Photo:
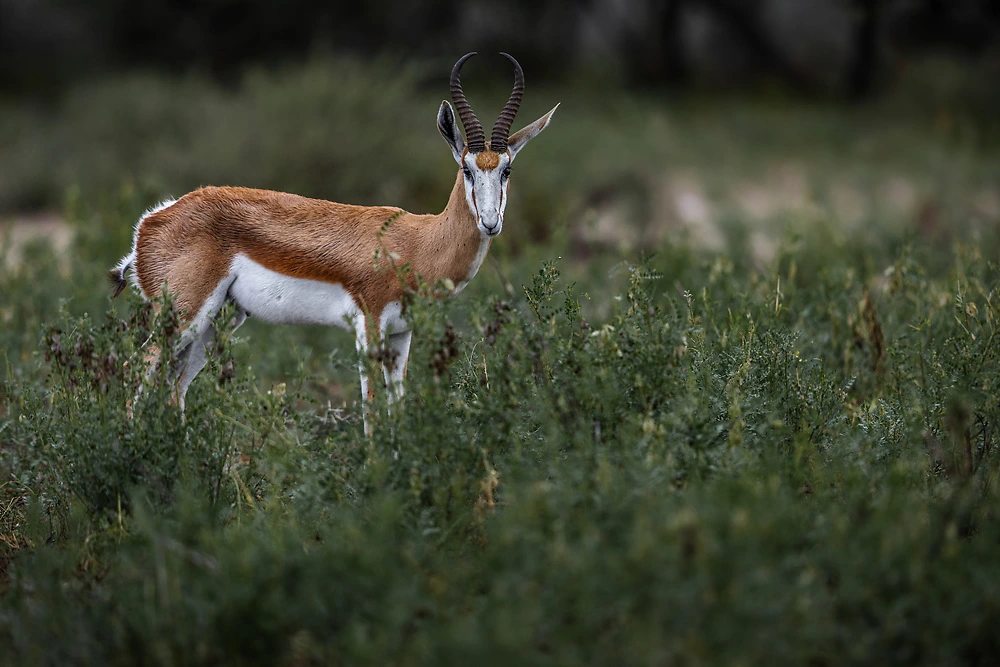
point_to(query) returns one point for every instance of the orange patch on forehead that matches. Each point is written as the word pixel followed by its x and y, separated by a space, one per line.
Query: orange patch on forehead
pixel 487 160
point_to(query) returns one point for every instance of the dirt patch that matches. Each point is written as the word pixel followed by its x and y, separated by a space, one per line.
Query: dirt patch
pixel 19 232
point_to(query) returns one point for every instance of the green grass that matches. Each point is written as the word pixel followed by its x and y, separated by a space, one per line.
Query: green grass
pixel 730 453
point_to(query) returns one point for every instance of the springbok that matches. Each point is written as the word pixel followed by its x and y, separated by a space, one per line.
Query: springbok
pixel 292 260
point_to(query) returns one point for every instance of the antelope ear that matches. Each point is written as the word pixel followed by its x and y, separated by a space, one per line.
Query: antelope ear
pixel 449 130
pixel 527 133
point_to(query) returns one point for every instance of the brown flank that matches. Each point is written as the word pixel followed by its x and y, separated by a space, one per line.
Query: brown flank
pixel 191 244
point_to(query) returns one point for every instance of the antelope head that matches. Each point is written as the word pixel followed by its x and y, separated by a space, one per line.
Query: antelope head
pixel 486 166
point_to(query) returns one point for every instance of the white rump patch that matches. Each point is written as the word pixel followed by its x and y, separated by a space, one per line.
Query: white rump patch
pixel 128 260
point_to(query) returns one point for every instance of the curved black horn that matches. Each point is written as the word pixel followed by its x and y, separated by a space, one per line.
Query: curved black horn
pixel 501 131
pixel 475 137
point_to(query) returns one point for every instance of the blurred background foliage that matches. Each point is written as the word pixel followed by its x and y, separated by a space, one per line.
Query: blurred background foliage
pixel 812 45
pixel 775 106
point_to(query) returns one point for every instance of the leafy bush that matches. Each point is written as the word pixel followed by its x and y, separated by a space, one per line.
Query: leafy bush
pixel 746 472
pixel 107 426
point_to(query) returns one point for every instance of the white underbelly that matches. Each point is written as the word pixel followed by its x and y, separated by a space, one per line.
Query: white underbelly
pixel 281 299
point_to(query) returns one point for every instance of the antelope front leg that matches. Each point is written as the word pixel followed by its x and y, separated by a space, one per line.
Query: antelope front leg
pixel 395 373
pixel 361 339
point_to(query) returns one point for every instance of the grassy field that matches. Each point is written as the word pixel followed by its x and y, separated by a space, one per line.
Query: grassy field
pixel 726 392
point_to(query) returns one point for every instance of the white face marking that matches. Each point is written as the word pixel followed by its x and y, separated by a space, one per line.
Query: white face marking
pixel 280 299
pixel 486 192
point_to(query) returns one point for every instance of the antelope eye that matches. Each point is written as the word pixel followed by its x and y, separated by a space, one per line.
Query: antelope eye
pixel 467 172
pixel 506 172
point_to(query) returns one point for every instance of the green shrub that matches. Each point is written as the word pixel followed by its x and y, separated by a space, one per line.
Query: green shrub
pixel 743 473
